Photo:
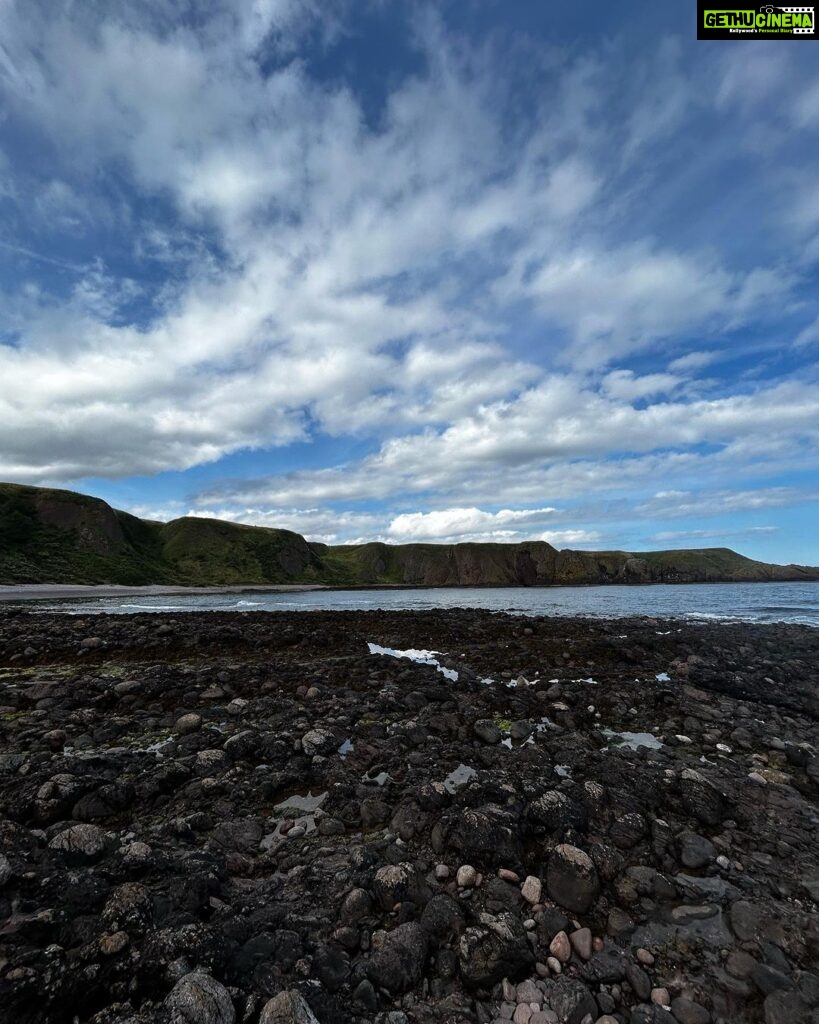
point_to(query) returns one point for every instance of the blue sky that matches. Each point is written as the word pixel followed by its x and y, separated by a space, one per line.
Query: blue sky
pixel 447 271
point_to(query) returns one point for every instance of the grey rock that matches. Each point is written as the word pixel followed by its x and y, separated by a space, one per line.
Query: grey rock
pixel 197 998
pixel 696 851
pixel 81 842
pixel 785 1008
pixel 287 1008
pixel 686 1011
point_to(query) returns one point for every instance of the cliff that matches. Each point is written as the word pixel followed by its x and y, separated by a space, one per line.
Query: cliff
pixel 54 536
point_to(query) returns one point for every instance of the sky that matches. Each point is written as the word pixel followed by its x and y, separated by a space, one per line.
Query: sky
pixel 465 270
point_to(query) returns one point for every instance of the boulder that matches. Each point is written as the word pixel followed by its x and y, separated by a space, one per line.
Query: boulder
pixel 287 1008
pixel 571 878
pixel 494 949
pixel 197 998
pixel 399 964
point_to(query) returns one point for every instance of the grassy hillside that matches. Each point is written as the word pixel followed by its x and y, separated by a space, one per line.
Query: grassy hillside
pixel 53 536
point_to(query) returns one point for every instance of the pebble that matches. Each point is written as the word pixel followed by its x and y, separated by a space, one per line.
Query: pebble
pixel 467 877
pixel 187 724
pixel 560 947
pixel 581 941
pixel 554 965
pixel 532 889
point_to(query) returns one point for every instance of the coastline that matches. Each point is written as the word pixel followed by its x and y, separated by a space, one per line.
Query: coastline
pixel 11 592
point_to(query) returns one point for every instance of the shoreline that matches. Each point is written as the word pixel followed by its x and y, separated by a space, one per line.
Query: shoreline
pixel 11 592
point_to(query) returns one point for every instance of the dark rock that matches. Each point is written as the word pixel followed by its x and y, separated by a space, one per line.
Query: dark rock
pixel 627 831
pixel 571 1000
pixel 398 965
pixel 696 851
pixel 686 1011
pixel 571 878
pixel 701 798
pixel 494 949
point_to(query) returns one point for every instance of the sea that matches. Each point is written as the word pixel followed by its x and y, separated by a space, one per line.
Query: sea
pixel 747 602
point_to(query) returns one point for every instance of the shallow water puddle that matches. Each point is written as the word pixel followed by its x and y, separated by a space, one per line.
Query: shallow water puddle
pixel 346 747
pixel 422 657
pixel 632 740
pixel 299 814
pixel 459 778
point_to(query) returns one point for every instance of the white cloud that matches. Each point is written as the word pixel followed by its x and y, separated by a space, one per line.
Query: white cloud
pixel 415 279
pixel 448 524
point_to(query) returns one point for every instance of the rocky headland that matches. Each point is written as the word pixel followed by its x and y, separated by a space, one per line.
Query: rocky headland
pixel 50 536
pixel 224 818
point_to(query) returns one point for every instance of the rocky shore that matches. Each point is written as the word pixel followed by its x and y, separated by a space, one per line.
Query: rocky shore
pixel 218 818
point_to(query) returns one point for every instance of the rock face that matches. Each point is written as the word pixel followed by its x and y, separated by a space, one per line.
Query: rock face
pixel 336 842
pixel 49 535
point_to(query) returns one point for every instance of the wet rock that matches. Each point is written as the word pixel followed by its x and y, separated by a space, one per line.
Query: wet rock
pixel 571 878
pixel 356 906
pixel 581 941
pixel 487 836
pixel 198 998
pixel 487 731
pixel 494 949
pixel 686 1011
pixel 696 851
pixel 398 965
pixel 442 917
pixel 627 831
pixel 571 1001
pixel 744 920
pixel 396 883
pixel 701 798
pixel 639 981
pixel 554 813
pixel 785 1008
pixel 187 724
pixel 5 869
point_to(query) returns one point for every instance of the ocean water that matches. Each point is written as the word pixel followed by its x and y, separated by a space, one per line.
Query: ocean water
pixel 751 602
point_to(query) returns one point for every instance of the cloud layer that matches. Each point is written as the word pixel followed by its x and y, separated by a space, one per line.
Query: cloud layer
pixel 487 294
